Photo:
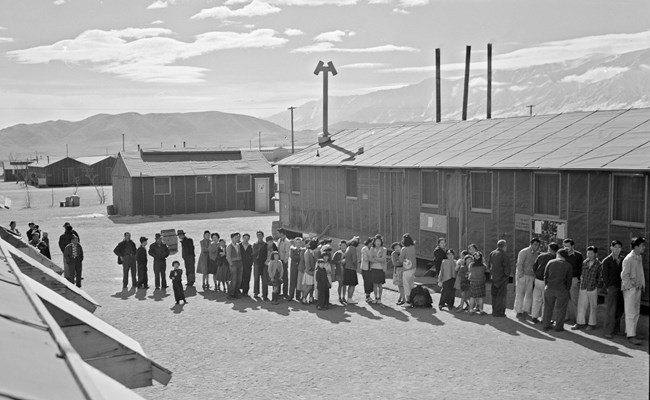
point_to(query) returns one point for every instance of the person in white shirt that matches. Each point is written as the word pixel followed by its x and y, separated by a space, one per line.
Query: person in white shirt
pixel 632 285
pixel 284 248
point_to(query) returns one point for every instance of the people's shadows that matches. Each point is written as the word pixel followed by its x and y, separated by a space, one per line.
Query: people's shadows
pixel 588 343
pixel 388 311
pixel 141 294
pixel 208 294
pixel 159 294
pixel 620 341
pixel 361 311
pixel 503 324
pixel 124 293
pixel 424 314
pixel 190 291
pixel 334 314
pixel 178 308
pixel 245 303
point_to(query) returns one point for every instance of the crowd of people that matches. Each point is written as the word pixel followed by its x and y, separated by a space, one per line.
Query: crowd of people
pixel 554 287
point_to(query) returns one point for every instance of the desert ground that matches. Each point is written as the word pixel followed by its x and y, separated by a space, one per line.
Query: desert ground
pixel 219 348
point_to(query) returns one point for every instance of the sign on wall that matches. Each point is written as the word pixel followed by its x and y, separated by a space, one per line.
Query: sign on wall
pixel 522 222
pixel 433 222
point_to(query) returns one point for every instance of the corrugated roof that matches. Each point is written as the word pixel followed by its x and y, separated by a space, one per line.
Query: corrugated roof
pixel 608 140
pixel 252 162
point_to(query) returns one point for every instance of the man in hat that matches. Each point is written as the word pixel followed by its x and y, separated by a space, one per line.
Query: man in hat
pixel 73 256
pixel 159 251
pixel 284 248
pixel 141 259
pixel 66 238
pixel 125 252
pixel 188 256
pixel 233 255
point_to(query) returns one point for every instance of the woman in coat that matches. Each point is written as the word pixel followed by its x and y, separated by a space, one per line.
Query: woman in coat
pixel 202 267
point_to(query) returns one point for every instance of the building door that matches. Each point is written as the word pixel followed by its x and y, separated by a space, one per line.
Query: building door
pixel 391 205
pixel 456 199
pixel 261 194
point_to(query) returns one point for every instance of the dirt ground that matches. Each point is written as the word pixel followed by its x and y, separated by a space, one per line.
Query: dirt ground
pixel 218 348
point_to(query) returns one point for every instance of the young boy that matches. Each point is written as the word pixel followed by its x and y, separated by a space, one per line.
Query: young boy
pixel 141 262
pixel 176 276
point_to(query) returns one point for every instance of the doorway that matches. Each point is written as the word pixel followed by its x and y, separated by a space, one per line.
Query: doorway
pixel 261 194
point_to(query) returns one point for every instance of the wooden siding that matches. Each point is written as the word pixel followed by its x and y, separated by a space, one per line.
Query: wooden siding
pixel 66 172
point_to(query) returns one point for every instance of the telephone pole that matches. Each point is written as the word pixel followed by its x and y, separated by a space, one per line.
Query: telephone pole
pixel 291 109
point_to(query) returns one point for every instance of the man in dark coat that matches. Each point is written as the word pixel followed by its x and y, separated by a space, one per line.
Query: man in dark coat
pixel 188 256
pixel 141 260
pixel 125 251
pixel 499 266
pixel 159 251
pixel 246 250
pixel 66 238
pixel 73 256
pixel 557 276
pixel 263 258
pixel 258 269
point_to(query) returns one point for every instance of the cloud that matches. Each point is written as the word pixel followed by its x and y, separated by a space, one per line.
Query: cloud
pixel 400 11
pixel 158 22
pixel 363 66
pixel 333 36
pixel 413 3
pixel 293 32
pixel 596 75
pixel 328 47
pixel 58 2
pixel 314 2
pixel 554 52
pixel 255 8
pixel 160 4
pixel 6 39
pixel 143 54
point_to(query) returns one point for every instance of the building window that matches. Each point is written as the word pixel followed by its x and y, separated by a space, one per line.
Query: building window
pixel 430 188
pixel 481 188
pixel 243 183
pixel 628 199
pixel 162 185
pixel 351 183
pixel 295 180
pixel 204 184
pixel 547 194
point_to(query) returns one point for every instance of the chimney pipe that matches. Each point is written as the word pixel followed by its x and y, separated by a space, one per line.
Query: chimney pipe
pixel 438 113
pixel 468 52
pixel 183 144
pixel 489 81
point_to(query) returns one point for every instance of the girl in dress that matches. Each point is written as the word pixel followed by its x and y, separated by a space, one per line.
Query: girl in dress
pixel 323 280
pixel 350 279
pixel 176 276
pixel 308 277
pixel 397 272
pixel 338 262
pixel 213 253
pixel 377 260
pixel 204 259
pixel 223 269
pixel 275 276
pixel 477 284
pixel 446 281
pixel 462 280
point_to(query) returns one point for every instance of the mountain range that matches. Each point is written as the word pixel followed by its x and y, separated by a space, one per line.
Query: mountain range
pixel 102 133
pixel 597 82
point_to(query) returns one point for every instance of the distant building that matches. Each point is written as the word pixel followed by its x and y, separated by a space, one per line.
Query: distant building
pixel 68 171
pixel 14 171
pixel 582 175
pixel 275 153
pixel 186 181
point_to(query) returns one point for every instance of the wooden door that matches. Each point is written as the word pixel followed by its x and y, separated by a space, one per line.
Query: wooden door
pixel 392 204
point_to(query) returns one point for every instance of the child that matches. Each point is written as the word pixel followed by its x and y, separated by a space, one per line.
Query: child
pixel 462 280
pixel 223 269
pixel 339 262
pixel 141 262
pixel 398 271
pixel 323 282
pixel 477 284
pixel 275 276
pixel 176 276
pixel 446 281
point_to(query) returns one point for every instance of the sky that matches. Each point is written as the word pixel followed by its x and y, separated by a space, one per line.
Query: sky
pixel 70 59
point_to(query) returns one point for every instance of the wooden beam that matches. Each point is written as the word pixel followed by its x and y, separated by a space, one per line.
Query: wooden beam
pixel 128 369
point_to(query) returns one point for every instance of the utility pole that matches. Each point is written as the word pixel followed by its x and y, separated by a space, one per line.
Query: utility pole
pixel 468 52
pixel 530 107
pixel 438 112
pixel 489 81
pixel 324 137
pixel 291 109
pixel 259 144
pixel 122 143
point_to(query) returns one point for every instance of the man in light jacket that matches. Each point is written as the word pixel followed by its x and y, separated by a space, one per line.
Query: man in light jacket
pixel 632 285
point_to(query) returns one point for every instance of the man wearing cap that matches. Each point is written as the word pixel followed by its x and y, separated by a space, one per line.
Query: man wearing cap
pixel 233 255
pixel 557 277
pixel 159 251
pixel 632 285
pixel 73 255
pixel 499 266
pixel 258 267
pixel 284 248
pixel 141 260
pixel 612 268
pixel 188 256
pixel 66 238
pixel 125 252
pixel 525 278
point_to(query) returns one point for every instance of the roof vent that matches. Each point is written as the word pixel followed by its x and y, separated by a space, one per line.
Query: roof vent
pixel 360 151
